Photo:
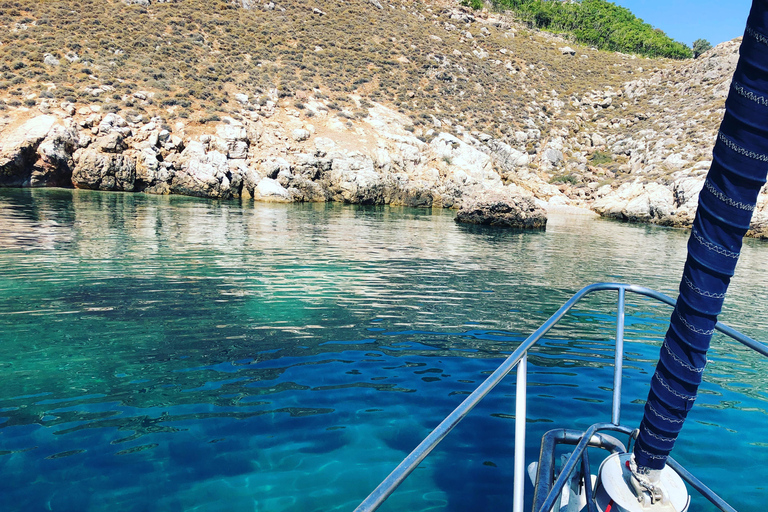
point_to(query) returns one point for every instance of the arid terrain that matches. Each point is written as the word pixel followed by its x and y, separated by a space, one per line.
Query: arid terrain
pixel 363 101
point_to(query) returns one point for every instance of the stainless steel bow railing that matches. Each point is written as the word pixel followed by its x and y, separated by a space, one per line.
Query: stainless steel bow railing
pixel 519 358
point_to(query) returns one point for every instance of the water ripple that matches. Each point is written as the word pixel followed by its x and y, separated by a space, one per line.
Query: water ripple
pixel 167 353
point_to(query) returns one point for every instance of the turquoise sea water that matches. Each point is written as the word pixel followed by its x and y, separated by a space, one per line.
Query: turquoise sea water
pixel 176 354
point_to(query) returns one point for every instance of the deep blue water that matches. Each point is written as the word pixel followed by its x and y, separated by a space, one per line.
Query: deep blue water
pixel 169 353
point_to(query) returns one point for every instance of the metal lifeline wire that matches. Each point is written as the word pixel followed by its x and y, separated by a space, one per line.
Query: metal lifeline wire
pixel 726 204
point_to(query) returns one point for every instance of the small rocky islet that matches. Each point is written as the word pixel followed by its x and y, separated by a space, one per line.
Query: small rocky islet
pixel 637 150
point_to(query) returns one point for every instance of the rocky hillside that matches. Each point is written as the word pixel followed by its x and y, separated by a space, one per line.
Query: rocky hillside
pixel 665 152
pixel 413 103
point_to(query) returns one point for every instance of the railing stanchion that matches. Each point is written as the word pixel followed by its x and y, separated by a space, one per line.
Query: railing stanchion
pixel 521 396
pixel 618 360
pixel 519 358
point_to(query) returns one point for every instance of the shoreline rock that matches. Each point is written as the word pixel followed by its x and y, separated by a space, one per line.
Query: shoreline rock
pixel 493 208
pixel 637 170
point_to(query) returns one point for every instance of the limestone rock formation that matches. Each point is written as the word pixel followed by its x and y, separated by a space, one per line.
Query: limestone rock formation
pixel 353 179
pixel 18 151
pixel 103 171
pixel 206 174
pixel 270 190
pixel 54 165
pixel 637 152
pixel 232 140
pixel 499 208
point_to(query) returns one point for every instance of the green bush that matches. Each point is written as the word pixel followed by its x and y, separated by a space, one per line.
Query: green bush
pixel 700 46
pixel 600 158
pixel 473 4
pixel 568 179
pixel 210 118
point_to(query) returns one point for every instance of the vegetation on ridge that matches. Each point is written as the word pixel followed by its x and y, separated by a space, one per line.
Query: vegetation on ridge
pixel 576 120
pixel 700 46
pixel 194 56
pixel 598 23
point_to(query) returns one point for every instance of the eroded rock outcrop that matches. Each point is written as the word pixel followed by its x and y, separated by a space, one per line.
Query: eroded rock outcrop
pixel 206 173
pixel 643 166
pixel 501 208
pixel 55 164
pixel 18 152
pixel 98 170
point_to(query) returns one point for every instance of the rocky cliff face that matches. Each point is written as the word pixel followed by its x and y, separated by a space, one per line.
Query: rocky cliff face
pixel 668 154
pixel 636 150
pixel 665 152
pixel 275 156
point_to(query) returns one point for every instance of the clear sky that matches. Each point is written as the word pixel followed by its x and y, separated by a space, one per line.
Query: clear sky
pixel 688 20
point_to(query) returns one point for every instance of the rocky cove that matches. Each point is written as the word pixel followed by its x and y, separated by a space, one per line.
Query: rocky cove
pixel 377 162
pixel 637 152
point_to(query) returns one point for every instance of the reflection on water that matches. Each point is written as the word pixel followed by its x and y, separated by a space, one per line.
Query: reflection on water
pixel 170 353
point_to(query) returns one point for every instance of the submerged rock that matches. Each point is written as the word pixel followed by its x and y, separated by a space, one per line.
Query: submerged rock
pixel 499 208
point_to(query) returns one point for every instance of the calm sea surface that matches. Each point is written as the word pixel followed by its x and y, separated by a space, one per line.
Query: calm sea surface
pixel 176 354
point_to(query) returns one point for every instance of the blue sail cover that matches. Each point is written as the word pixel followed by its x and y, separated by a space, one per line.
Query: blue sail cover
pixel 726 203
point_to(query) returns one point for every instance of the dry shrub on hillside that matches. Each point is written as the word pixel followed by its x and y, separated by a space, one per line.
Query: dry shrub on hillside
pixel 196 54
